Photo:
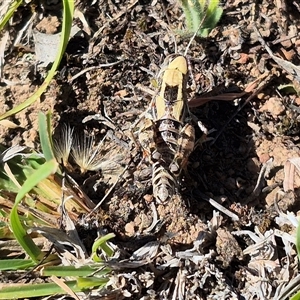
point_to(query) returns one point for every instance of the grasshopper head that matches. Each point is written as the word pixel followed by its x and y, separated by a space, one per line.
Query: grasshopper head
pixel 179 64
pixel 175 73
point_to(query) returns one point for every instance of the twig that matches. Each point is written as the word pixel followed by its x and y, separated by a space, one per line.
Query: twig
pixel 282 63
pixel 265 170
pixel 155 219
pixel 93 68
pixel 20 32
pixel 218 206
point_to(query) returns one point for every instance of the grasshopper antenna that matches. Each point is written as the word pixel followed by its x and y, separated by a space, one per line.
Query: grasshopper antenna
pixel 194 35
pixel 175 43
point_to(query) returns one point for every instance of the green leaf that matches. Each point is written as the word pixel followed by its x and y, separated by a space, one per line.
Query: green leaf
pixel 298 240
pixel 63 271
pixel 102 243
pixel 90 282
pixel 211 20
pixel 187 12
pixel 45 136
pixel 15 264
pixel 19 231
pixel 296 297
pixel 22 291
pixel 201 16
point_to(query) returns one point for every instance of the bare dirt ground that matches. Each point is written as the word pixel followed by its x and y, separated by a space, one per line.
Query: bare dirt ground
pixel 226 166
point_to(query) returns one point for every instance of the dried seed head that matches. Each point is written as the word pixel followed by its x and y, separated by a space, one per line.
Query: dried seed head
pixel 84 154
pixel 62 146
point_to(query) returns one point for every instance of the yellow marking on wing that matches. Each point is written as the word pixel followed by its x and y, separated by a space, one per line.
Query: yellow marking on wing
pixel 174 76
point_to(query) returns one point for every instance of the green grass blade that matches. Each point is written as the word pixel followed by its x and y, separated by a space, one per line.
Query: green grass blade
pixel 90 282
pixel 101 243
pixel 298 240
pixel 15 264
pixel 19 231
pixel 6 183
pixel 23 291
pixel 66 29
pixel 9 13
pixel 45 137
pixel 62 271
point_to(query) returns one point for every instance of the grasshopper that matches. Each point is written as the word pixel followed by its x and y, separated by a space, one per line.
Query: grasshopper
pixel 167 136
pixel 177 135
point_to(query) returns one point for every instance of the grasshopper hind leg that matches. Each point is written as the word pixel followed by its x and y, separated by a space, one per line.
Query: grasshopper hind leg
pixel 186 143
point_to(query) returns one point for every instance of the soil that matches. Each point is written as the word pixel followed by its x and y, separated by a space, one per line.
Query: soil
pixel 256 131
